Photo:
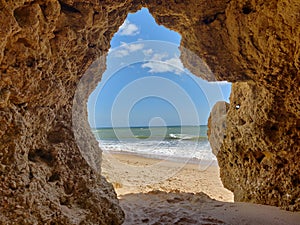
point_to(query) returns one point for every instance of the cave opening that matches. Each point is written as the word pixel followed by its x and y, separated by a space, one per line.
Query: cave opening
pixel 149 114
pixel 49 157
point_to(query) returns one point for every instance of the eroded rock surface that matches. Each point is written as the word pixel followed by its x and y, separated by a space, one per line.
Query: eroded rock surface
pixel 46 47
pixel 260 150
pixel 254 44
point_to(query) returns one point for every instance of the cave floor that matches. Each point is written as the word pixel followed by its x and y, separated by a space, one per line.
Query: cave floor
pixel 158 207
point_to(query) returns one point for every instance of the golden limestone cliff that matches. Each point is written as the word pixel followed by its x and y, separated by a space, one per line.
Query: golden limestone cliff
pixel 47 46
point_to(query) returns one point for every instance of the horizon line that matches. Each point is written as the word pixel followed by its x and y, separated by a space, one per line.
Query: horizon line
pixel 106 127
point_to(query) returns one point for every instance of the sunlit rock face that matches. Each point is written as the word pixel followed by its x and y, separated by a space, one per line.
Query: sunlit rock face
pixel 259 150
pixel 47 46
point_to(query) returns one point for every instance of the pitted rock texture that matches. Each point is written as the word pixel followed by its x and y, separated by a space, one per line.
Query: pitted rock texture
pixel 259 152
pixel 217 125
pixel 47 46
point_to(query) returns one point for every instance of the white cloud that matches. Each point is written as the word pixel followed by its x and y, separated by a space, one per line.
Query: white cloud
pixel 125 49
pixel 148 52
pixel 121 53
pixel 158 65
pixel 128 29
pixel 220 82
pixel 132 47
pixel 159 56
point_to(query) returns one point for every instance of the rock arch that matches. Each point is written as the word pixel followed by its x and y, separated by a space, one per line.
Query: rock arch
pixel 45 48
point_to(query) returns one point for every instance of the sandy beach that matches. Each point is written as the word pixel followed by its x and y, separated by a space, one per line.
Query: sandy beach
pixel 135 174
pixel 154 191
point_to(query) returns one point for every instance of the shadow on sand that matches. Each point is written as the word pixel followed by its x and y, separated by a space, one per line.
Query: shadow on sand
pixel 159 207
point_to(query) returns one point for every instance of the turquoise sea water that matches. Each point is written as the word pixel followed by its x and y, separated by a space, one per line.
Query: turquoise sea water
pixel 185 142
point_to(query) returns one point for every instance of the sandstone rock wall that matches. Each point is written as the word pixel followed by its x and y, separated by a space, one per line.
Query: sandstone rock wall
pixel 46 47
pixel 256 45
pixel 260 152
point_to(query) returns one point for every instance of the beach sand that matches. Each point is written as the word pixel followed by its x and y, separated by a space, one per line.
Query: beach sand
pixel 153 191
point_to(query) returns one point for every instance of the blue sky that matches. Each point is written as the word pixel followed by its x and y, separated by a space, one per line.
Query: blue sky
pixel 145 82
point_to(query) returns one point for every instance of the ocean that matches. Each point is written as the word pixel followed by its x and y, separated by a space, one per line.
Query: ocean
pixel 183 143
